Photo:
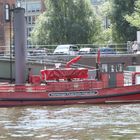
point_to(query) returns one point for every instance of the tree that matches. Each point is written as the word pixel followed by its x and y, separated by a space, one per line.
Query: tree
pixel 122 30
pixel 66 21
pixel 134 18
pixel 104 13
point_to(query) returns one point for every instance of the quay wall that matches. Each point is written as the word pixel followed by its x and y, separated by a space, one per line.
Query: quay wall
pixel 6 70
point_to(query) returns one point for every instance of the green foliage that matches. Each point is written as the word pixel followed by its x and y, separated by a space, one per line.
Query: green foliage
pixel 122 30
pixel 105 9
pixel 65 22
pixel 38 36
pixel 106 35
pixel 134 18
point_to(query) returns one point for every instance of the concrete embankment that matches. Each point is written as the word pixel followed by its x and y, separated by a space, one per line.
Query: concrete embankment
pixel 6 70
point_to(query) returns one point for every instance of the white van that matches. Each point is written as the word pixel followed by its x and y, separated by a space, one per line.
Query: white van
pixel 66 49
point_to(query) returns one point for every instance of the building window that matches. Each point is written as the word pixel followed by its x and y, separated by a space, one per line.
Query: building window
pixel 33 7
pixel 29 31
pixel 31 19
pixel 104 68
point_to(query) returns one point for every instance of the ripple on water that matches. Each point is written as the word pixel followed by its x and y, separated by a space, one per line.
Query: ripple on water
pixel 71 122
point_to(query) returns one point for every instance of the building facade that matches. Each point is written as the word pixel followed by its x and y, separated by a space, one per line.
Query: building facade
pixel 5 26
pixel 33 8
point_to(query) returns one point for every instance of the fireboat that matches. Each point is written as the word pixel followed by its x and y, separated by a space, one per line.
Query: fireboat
pixel 63 86
pixel 104 84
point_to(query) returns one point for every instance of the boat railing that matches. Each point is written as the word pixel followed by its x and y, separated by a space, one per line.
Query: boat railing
pixel 54 86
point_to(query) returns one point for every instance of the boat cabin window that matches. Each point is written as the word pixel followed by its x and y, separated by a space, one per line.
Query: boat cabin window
pixel 112 68
pixel 104 68
pixel 117 67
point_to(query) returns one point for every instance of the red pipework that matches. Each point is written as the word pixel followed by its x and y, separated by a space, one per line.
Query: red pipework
pixel 74 60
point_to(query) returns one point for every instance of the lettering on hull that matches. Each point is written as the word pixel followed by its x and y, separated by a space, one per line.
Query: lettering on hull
pixel 72 94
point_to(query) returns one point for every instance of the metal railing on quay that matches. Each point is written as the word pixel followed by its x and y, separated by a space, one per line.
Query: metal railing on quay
pixel 41 51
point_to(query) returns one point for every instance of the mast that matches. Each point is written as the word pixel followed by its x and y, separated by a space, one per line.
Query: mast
pixel 98 61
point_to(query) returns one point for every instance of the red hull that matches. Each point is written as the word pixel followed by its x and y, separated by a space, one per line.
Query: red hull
pixel 128 94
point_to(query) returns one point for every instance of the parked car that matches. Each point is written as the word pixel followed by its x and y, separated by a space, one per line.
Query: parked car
pixel 107 50
pixel 37 52
pixel 87 51
pixel 66 49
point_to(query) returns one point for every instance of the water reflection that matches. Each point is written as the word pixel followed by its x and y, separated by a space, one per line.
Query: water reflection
pixel 85 122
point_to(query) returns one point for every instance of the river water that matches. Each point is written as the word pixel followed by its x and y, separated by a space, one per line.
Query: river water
pixel 77 122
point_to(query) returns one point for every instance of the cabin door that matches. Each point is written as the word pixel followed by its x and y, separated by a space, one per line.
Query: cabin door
pixel 112 75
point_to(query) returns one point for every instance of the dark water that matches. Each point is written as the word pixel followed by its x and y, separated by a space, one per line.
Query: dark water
pixel 85 122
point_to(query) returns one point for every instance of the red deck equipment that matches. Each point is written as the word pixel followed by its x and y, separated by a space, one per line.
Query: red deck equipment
pixel 66 73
